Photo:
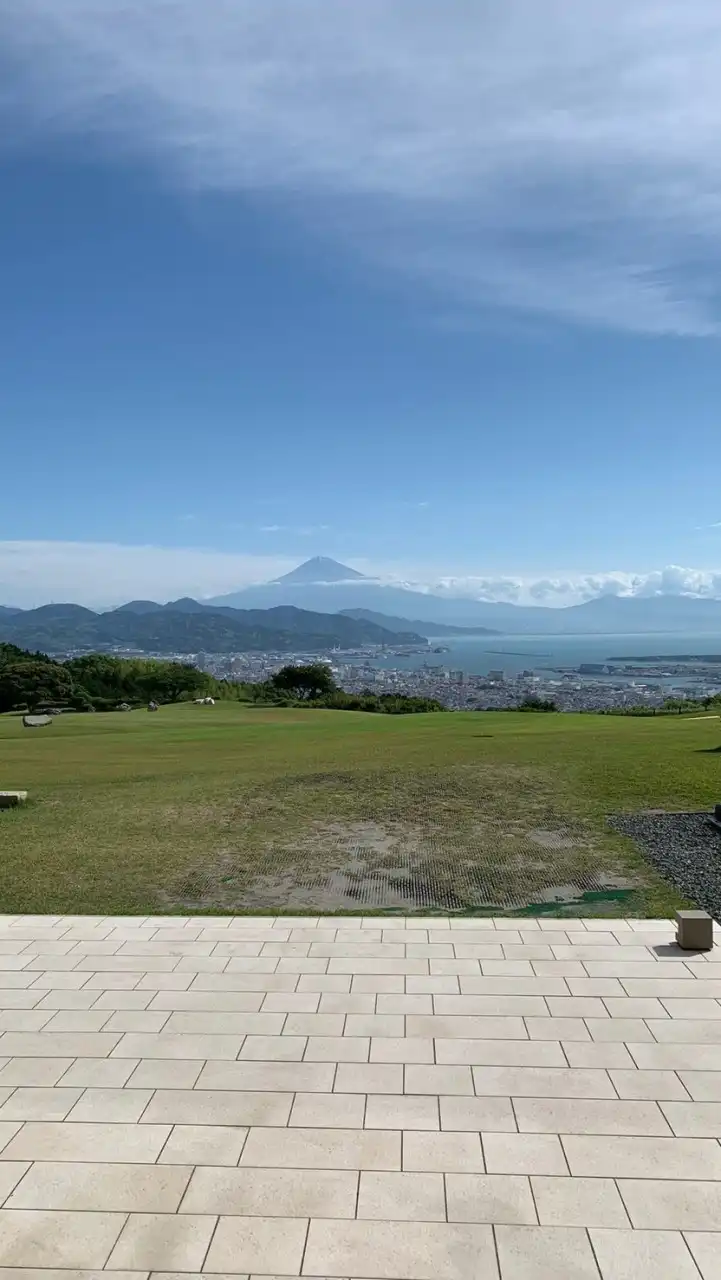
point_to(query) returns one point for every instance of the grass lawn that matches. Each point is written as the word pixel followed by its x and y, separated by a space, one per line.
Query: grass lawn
pixel 234 807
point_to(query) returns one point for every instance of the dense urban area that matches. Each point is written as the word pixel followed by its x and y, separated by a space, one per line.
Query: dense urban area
pixel 588 687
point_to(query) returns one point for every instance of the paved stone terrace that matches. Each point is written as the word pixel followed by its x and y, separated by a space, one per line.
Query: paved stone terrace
pixel 369 1099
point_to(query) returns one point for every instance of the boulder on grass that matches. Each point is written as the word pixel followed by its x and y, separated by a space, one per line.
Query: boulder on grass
pixel 11 799
pixel 36 722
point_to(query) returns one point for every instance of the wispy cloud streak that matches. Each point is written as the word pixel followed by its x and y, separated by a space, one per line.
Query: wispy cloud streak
pixel 551 159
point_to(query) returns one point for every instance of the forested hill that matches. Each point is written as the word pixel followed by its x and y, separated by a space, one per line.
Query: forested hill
pixel 181 628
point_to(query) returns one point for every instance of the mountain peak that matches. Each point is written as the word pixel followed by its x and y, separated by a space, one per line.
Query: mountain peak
pixel 321 569
pixel 186 604
pixel 138 606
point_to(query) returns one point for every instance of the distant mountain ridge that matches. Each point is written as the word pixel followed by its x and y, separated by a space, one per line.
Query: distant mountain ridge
pixel 343 594
pixel 425 628
pixel 187 626
pixel 344 590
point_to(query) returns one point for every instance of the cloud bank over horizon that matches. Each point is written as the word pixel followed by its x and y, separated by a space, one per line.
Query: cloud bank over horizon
pixel 557 160
pixel 102 575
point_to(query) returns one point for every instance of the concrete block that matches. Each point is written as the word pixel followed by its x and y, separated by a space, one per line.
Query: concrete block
pixel 9 799
pixel 694 930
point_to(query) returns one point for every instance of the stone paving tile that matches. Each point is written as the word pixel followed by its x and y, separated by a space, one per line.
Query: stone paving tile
pixel 217 1106
pixel 539 1253
pixel 703 1086
pixel 539 1082
pixel 640 1157
pixel 332 1111
pixel 273 1048
pixel 166 1045
pixel 575 1115
pixel 305 1077
pixel 607 1053
pixel 11 1171
pixel 399 1197
pixel 622 1030
pixel 679 1205
pixel 36 1020
pixel 677 1057
pixel 127 1188
pixel 524 1153
pixel 322 1149
pixel 402 1049
pixel 486 1006
pixel 393 1250
pixel 388 1111
pixel 19 1044
pixel 436 985
pixel 500 1053
pixel 160 1073
pixel 696 1009
pixel 693 1119
pixel 282 1193
pixel 390 1003
pixel 337 1049
pixel 474 1114
pixel 377 1025
pixel 202 1144
pixel 357 1098
pixel 125 1105
pixel 278 1001
pixel 664 1086
pixel 264 1246
pixel 442 1152
pixel 438 1079
pixel 39 1104
pixel 466 1028
pixel 685 1030
pixel 578 1202
pixel 706 1249
pixel 314 1024
pixel 626 1255
pixel 340 1002
pixel 40 1238
pixel 8 1129
pixel 162 1242
pixel 557 1029
pixel 378 1077
pixel 490 1197
pixel 137 1144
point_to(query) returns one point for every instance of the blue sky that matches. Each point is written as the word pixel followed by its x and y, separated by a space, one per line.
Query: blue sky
pixel 431 288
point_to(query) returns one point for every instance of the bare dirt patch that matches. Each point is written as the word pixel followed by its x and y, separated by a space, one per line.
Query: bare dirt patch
pixel 450 840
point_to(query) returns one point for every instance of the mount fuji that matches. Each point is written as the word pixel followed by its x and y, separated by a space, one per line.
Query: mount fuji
pixel 325 586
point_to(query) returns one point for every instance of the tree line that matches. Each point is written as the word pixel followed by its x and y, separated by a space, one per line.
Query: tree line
pixel 312 684
pixel 669 707
pixel 94 682
pixel 102 682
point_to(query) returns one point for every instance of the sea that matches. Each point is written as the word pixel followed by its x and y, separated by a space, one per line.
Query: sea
pixel 512 654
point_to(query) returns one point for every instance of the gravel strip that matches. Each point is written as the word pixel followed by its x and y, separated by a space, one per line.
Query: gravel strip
pixel 684 847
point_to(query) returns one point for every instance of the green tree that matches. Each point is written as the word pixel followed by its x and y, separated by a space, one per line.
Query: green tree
pixel 167 681
pixel 314 680
pixel 100 674
pixel 33 684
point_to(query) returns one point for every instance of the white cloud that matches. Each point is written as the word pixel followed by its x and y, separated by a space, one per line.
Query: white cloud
pixel 101 574
pixel 557 159
pixel 565 589
pixel 298 531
